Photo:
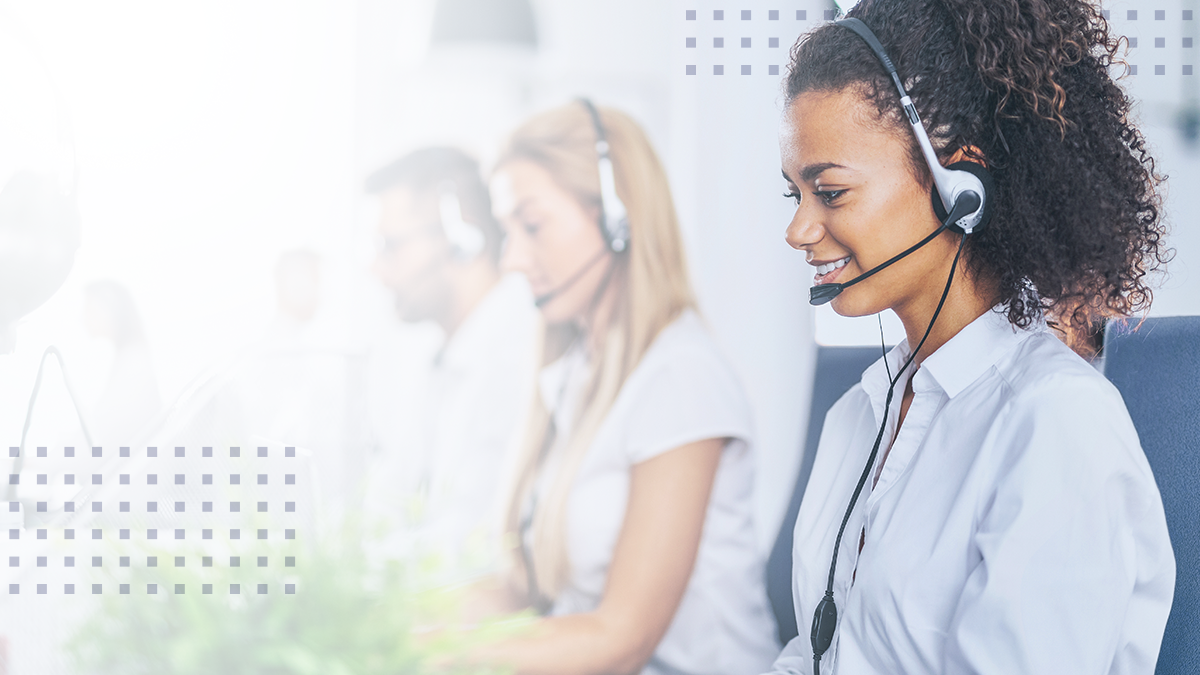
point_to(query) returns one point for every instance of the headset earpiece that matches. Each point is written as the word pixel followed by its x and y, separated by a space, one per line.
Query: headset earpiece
pixel 985 181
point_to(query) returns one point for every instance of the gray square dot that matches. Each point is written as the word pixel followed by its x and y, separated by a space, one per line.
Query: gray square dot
pixel 14 589
pixel 124 561
pixel 41 451
pixel 1160 15
pixel 235 452
pixel 152 589
pixel 690 43
pixel 41 589
pixel 289 534
pixel 235 479
pixel 96 589
pixel 42 479
pixel 235 589
pixel 69 561
pixel 14 534
pixel 69 507
pixel 179 507
pixel 718 70
pixel 206 589
pixel 1159 43
pixel 124 479
pixel 235 561
pixel 97 534
pixel 96 507
pixel 13 561
pixel 152 534
pixel 290 589
pixel 152 561
pixel 152 479
pixel 290 507
pixel 178 451
pixel 1131 15
pixel 69 589
pixel 289 452
pixel 206 479
pixel 745 15
pixel 206 534
pixel 179 479
pixel 235 534
pixel 1132 42
pixel 718 15
pixel 262 589
pixel 830 14
pixel 773 43
pixel 178 589
pixel 745 70
pixel 1187 15
pixel 124 589
pixel 41 507
pixel 41 534
pixel 152 507
pixel 124 507
pixel 718 42
pixel 1160 70
pixel 179 534
pixel 152 452
pixel 1106 14
pixel 262 507
pixel 289 561
pixel 745 43
pixel 69 534
pixel 262 561
pixel 206 507
pixel 1133 69
pixel 802 15
pixel 690 15
pixel 262 534
pixel 13 479
pixel 262 452
pixel 179 561
pixel 235 507
pixel 207 561
pixel 124 534
pixel 69 479
pixel 1187 70
pixel 97 452
pixel 68 451
pixel 290 478
pixel 773 15
pixel 124 451
pixel 14 452
pixel 1187 43
pixel 262 479
pixel 206 451
pixel 41 561
pixel 690 70
pixel 97 479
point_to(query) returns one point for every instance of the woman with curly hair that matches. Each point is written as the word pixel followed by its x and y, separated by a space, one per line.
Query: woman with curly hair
pixel 1001 517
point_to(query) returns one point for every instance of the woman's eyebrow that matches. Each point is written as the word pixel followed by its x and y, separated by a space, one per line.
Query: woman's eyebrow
pixel 813 170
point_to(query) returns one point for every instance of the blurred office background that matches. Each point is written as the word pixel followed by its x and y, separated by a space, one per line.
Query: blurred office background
pixel 226 243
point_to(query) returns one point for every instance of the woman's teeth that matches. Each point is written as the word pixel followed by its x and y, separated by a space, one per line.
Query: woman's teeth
pixel 829 267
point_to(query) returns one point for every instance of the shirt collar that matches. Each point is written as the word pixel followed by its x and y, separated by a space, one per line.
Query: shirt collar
pixel 955 365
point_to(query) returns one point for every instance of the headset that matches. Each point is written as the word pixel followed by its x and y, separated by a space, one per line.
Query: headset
pixel 959 193
pixel 614 218
pixel 961 202
pixel 466 239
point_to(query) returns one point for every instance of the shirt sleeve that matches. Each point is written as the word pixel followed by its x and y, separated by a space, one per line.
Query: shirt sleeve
pixel 795 659
pixel 688 395
pixel 1073 551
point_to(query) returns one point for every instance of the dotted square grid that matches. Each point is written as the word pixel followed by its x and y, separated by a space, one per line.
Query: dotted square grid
pixel 745 43
pixel 745 15
pixel 690 15
pixel 773 15
pixel 745 70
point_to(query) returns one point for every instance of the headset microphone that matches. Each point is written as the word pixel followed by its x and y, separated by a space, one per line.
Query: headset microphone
pixel 541 300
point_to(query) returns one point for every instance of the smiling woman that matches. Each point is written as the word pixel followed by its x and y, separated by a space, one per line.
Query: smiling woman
pixel 1009 519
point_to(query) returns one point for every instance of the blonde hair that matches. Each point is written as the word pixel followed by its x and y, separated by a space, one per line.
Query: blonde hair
pixel 651 282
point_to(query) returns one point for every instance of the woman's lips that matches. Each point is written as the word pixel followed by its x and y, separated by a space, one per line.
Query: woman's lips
pixel 830 277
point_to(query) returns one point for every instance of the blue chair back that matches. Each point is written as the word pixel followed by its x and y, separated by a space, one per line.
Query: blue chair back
pixel 838 369
pixel 1157 370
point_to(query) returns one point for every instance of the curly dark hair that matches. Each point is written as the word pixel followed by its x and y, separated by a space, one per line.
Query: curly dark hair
pixel 1077 220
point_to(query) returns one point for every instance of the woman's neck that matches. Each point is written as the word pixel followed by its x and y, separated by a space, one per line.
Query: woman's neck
pixel 966 301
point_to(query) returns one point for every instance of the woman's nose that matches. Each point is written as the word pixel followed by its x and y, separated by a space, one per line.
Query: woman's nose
pixel 806 228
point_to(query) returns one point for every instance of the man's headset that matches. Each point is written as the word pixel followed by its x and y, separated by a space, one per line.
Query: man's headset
pixel 614 219
pixel 960 191
pixel 961 201
pixel 466 239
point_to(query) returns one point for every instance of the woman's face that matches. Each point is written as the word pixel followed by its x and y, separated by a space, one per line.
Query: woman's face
pixel 550 238
pixel 859 204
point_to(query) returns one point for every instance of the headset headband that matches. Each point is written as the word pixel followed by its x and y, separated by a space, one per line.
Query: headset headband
pixel 614 219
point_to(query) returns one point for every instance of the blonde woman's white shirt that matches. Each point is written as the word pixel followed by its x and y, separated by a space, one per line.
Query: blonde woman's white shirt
pixel 682 391
pixel 1015 526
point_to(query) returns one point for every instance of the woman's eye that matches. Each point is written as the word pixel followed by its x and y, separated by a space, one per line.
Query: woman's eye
pixel 793 195
pixel 530 228
pixel 828 196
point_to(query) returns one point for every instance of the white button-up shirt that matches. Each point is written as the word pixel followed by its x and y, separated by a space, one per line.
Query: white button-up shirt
pixel 1015 526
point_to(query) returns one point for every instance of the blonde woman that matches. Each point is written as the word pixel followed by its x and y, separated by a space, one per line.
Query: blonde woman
pixel 630 514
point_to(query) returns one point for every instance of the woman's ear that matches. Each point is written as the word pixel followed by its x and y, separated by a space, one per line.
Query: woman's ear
pixel 968 153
